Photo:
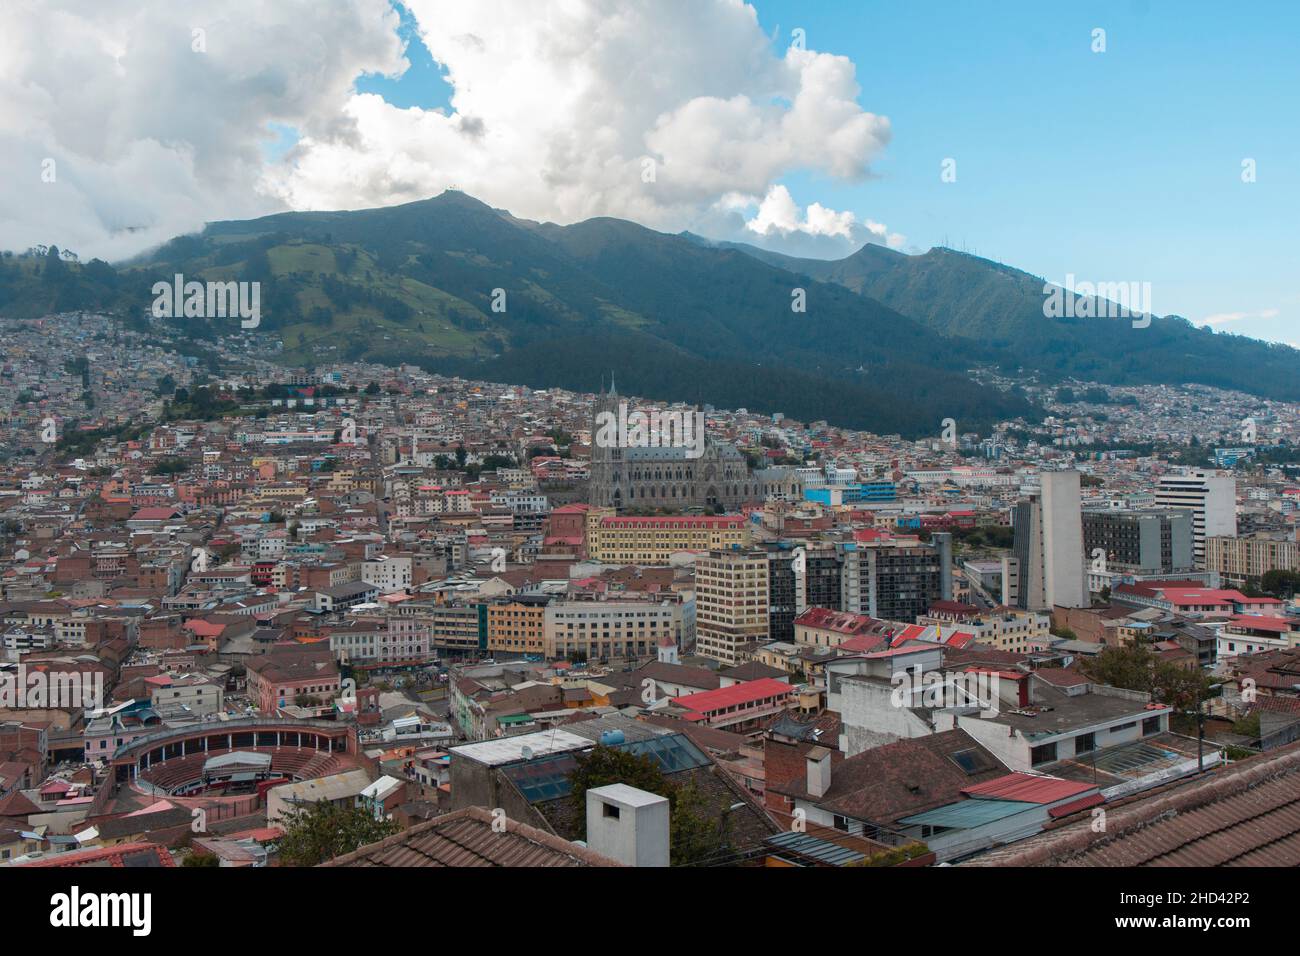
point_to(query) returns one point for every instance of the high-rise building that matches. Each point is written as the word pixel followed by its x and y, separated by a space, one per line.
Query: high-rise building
pixel 896 581
pixel 782 590
pixel 822 581
pixel 1048 546
pixel 731 602
pixel 1212 499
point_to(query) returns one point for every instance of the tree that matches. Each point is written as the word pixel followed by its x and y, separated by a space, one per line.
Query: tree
pixel 1281 584
pixel 170 466
pixel 1136 668
pixel 606 765
pixel 1125 667
pixel 323 830
pixel 694 838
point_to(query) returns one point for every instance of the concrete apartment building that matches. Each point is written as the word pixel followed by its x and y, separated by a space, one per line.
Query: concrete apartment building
pixel 592 630
pixel 1140 542
pixel 519 626
pixel 1237 559
pixel 389 574
pixel 200 694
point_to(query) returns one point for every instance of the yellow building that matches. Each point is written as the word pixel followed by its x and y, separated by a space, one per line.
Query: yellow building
pixel 653 540
pixel 517 627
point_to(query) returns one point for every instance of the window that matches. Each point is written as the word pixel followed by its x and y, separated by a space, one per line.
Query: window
pixel 1085 743
pixel 610 811
pixel 1042 754
pixel 1150 726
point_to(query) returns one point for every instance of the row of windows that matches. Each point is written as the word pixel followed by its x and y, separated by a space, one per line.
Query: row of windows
pixel 1087 743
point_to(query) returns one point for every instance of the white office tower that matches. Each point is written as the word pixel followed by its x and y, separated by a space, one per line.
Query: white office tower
pixel 1048 546
pixel 1211 496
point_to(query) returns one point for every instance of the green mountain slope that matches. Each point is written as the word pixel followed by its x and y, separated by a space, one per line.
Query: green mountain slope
pixel 977 300
pixel 672 319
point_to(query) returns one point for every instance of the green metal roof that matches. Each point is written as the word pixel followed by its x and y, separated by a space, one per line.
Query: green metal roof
pixel 968 814
pixel 823 851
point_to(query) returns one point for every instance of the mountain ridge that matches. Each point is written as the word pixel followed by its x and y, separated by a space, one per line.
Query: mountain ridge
pixel 458 286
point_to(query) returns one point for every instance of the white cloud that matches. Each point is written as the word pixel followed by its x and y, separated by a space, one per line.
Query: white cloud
pixel 150 137
pixel 556 105
pixel 779 223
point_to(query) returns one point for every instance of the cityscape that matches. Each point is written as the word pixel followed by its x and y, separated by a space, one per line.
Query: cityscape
pixel 388 518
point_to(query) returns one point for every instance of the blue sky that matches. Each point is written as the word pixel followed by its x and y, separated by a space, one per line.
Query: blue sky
pixel 1124 165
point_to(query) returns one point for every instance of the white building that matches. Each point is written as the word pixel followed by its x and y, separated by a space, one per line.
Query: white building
pixel 1212 498
pixel 1048 548
pixel 387 574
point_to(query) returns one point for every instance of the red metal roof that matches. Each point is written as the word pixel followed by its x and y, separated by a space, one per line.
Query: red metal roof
pixel 1028 788
pixel 746 693
pixel 1074 806
pixel 843 622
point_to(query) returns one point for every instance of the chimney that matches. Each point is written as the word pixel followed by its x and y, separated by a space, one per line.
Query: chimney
pixel 628 825
pixel 819 771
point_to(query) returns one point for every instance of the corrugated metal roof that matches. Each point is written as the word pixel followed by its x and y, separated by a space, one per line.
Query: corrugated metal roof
pixel 967 814
pixel 1027 787
pixel 821 850
pixel 737 694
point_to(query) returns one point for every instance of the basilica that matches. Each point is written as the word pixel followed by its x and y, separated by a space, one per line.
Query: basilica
pixel 675 478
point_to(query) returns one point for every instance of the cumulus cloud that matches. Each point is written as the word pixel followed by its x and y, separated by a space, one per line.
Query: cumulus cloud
pixel 779 217
pixel 655 111
pixel 155 113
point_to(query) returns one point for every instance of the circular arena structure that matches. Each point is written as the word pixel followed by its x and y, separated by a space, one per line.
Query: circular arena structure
pixel 233 758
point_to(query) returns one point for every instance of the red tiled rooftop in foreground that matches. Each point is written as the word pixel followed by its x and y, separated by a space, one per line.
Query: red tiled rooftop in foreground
pixel 711 701
pixel 1240 815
